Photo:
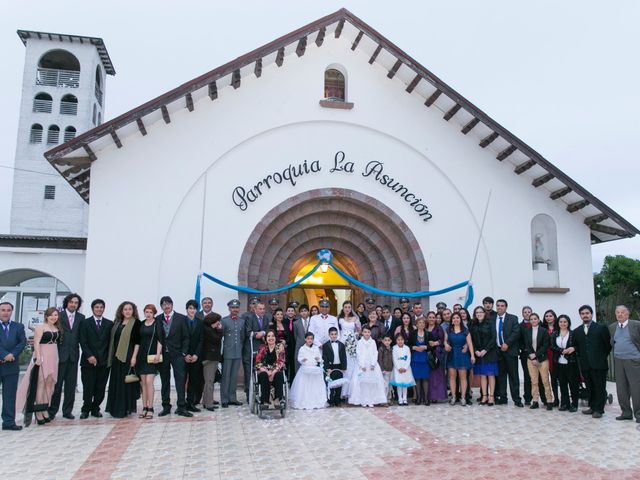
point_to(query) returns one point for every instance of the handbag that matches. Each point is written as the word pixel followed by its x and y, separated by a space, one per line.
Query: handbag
pixel 131 377
pixel 151 358
pixel 434 361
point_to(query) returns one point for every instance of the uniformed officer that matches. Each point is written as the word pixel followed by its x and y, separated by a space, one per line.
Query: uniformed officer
pixel 404 305
pixel 370 304
pixel 273 304
pixel 233 330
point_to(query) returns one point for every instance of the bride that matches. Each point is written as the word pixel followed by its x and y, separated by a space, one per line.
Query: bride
pixel 350 329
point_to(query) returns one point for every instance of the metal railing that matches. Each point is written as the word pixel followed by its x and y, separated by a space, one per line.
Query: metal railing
pixel 98 91
pixel 68 108
pixel 35 136
pixel 58 78
pixel 42 106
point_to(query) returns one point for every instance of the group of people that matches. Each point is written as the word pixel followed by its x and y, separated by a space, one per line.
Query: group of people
pixel 367 355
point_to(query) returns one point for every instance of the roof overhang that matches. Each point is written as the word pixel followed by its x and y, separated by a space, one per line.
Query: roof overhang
pixel 73 159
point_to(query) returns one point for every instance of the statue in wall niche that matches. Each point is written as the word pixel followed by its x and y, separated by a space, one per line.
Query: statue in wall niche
pixel 538 249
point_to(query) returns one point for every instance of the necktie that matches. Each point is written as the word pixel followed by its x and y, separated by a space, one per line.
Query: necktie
pixel 260 322
pixel 621 326
pixel 586 328
pixel 99 323
pixel 324 317
pixel 6 329
pixel 234 318
pixel 190 324
pixel 167 319
pixel 71 318
pixel 500 336
pixel 306 326
pixel 386 325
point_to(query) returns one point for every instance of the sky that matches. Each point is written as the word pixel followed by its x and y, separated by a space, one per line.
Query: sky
pixel 562 76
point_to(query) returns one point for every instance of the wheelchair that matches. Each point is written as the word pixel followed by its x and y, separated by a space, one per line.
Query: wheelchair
pixel 255 393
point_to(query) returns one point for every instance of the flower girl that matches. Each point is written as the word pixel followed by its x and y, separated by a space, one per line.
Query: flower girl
pixel 367 383
pixel 308 390
pixel 401 377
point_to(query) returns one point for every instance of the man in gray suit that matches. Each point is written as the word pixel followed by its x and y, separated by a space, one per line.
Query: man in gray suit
pixel 256 326
pixel 233 331
pixel 625 340
pixel 300 329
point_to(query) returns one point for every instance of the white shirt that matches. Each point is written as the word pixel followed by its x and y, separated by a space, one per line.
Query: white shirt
pixel 336 351
pixel 534 338
pixel 561 342
pixel 320 325
pixel 623 324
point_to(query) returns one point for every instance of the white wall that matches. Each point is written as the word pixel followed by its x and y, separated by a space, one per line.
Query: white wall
pixel 147 198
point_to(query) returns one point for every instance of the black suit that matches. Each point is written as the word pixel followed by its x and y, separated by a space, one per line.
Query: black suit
pixel 541 346
pixel 14 344
pixel 336 365
pixel 194 375
pixel 394 323
pixel 567 373
pixel 68 356
pixel 176 347
pixel 94 343
pixel 508 361
pixel 593 350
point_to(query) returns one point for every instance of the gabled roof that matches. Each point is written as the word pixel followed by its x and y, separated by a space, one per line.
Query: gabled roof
pixel 605 224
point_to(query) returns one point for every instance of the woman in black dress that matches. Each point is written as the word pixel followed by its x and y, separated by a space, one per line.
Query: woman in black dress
pixel 123 353
pixel 149 355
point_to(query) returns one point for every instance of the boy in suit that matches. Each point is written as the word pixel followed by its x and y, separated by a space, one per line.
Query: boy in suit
pixel 95 335
pixel 334 357
pixel 193 359
pixel 12 342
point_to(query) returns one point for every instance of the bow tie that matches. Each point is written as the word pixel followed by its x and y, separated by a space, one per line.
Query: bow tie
pixel 234 318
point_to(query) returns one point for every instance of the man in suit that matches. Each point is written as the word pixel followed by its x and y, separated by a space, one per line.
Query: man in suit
pixel 70 320
pixel 193 358
pixel 625 340
pixel 388 323
pixel 256 325
pixel 207 309
pixel 12 342
pixel 300 330
pixel 211 356
pixel 487 304
pixel 334 358
pixel 176 346
pixel 290 321
pixel 404 305
pixel 593 344
pixel 507 338
pixel 234 333
pixel 95 335
pixel 525 325
pixel 418 312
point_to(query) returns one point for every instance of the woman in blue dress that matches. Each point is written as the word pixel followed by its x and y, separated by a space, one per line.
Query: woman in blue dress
pixel 459 346
pixel 486 350
pixel 419 345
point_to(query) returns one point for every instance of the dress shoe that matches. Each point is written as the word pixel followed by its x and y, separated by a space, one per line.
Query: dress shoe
pixel 211 409
pixel 192 408
pixel 518 404
pixel 549 406
pixel 588 411
pixel 563 408
pixel 573 409
pixel 556 403
pixel 40 421
pixel 596 415
pixel 225 405
pixel 68 416
pixel 84 415
pixel 183 412
pixel 165 412
pixel 14 428
pixel 96 414
pixel 527 403
pixel 236 403
pixel 623 417
pixel 638 420
pixel 534 405
pixel 216 402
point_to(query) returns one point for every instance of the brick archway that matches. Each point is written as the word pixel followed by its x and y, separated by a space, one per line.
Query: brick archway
pixel 368 239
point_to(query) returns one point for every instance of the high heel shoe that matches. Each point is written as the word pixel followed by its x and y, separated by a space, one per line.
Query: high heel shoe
pixel 47 419
pixel 491 402
pixel 484 400
pixel 149 415
pixel 144 413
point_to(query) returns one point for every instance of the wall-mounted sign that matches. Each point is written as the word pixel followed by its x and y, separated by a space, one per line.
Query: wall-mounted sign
pixel 375 170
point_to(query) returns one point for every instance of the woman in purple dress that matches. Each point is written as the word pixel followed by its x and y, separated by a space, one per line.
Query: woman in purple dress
pixel 437 381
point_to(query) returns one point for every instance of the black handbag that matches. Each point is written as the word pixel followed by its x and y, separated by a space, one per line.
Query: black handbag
pixel 434 361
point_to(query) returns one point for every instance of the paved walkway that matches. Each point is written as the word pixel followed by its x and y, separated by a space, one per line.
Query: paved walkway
pixel 436 442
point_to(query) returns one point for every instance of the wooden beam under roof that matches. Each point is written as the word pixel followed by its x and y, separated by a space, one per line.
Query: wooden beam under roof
pixel 394 69
pixel 452 111
pixel 339 28
pixel 375 54
pixel 579 205
pixel 235 78
pixel 486 141
pixel 73 170
pixel 414 83
pixel 320 38
pixel 433 97
pixel 189 101
pixel 83 177
pixel 560 193
pixel 469 126
pixel 610 230
pixel 355 43
pixel 116 139
pixel 213 88
pixel 257 70
pixel 593 219
pixel 92 156
pixel 506 152
pixel 523 167
pixel 165 114
pixel 542 180
pixel 141 126
pixel 595 239
pixel 302 46
pixel 280 56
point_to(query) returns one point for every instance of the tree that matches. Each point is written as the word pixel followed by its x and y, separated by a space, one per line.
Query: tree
pixel 618 283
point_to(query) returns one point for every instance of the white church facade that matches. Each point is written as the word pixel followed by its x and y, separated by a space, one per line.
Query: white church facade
pixel 329 137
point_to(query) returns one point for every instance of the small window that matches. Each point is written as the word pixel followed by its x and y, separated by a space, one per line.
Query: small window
pixel 69 105
pixel 334 85
pixel 49 192
pixel 36 133
pixel 53 135
pixel 42 103
pixel 69 133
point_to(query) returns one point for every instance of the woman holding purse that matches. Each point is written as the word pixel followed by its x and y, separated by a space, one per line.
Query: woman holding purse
pixel 149 357
pixel 123 353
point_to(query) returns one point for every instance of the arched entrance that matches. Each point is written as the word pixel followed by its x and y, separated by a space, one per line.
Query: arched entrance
pixel 368 240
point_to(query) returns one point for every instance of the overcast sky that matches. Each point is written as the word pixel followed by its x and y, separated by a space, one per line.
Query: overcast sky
pixel 563 76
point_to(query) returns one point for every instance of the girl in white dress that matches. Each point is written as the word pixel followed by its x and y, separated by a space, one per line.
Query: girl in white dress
pixel 350 328
pixel 401 377
pixel 308 390
pixel 367 383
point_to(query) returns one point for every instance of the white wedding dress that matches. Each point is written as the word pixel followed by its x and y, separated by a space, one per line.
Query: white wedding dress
pixel 368 387
pixel 308 390
pixel 348 337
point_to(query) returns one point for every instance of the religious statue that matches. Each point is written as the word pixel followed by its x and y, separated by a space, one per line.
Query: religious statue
pixel 539 256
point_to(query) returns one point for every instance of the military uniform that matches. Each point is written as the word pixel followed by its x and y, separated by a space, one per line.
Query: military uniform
pixel 233 331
